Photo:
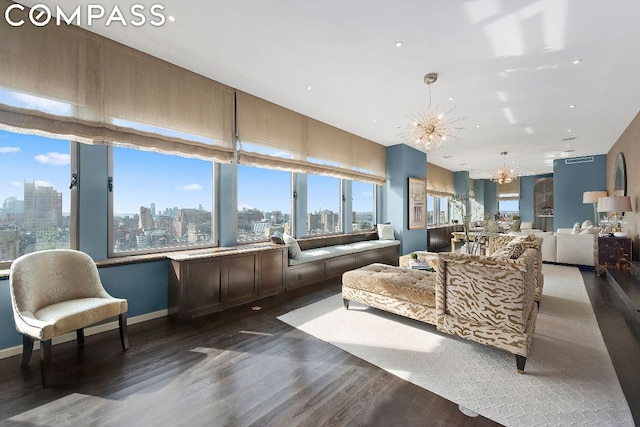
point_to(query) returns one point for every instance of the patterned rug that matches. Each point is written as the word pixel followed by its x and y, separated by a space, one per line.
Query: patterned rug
pixel 569 379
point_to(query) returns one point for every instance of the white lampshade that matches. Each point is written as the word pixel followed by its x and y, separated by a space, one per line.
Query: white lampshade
pixel 614 204
pixel 592 196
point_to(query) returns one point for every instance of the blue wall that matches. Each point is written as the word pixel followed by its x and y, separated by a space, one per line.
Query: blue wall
pixel 490 194
pixel 569 182
pixel 404 162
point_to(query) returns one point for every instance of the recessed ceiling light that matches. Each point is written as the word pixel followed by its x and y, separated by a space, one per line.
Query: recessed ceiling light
pixel 451 98
pixel 572 106
pixel 576 61
pixel 171 18
pixel 569 130
pixel 477 126
pixel 308 87
pixel 399 43
pixel 374 120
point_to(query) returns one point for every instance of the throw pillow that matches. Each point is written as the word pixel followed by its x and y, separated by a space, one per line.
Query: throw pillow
pixel 515 225
pixel 294 247
pixel 586 224
pixel 385 232
pixel 510 251
pixel 576 228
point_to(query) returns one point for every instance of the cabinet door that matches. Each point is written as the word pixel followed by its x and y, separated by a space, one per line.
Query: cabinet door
pixel 202 283
pixel 239 279
pixel 272 265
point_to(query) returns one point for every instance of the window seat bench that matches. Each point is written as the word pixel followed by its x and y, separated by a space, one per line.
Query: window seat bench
pixel 327 257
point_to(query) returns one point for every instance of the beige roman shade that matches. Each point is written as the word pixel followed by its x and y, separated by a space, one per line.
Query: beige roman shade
pixel 509 191
pixel 65 82
pixel 292 141
pixel 439 181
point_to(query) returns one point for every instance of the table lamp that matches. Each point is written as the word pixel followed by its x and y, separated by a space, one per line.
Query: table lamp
pixel 592 197
pixel 617 205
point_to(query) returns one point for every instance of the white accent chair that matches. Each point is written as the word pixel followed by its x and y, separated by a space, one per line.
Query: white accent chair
pixel 57 291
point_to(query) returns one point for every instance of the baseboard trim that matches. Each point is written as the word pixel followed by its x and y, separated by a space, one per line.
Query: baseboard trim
pixel 103 327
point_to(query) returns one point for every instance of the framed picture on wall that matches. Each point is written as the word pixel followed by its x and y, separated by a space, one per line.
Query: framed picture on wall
pixel 417 203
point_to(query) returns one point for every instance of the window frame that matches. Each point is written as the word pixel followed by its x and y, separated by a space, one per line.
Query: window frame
pixel 111 253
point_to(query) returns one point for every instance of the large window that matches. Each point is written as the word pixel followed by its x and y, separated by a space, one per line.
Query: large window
pixel 508 208
pixel 35 207
pixel 438 210
pixel 160 201
pixel 323 205
pixel 363 205
pixel 264 203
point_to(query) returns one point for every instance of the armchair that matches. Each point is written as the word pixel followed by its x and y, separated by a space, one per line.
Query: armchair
pixel 54 292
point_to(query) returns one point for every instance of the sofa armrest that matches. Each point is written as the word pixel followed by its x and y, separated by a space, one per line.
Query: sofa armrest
pixel 490 291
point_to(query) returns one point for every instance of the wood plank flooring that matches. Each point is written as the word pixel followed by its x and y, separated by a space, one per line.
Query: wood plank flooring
pixel 243 367
pixel 236 368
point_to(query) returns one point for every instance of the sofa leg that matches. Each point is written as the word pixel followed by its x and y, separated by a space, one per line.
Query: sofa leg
pixel 346 303
pixel 520 361
pixel 80 336
pixel 124 334
pixel 27 350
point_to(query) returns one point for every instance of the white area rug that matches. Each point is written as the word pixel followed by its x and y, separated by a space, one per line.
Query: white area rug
pixel 568 380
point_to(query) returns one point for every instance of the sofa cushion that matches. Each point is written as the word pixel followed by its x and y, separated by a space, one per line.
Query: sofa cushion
pixel 294 247
pixel 396 282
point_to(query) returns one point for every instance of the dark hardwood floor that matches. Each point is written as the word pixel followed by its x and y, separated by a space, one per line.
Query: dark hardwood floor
pixel 621 332
pixel 240 367
pixel 244 367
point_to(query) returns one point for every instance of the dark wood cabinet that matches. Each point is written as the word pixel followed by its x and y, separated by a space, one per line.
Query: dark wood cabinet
pixel 439 237
pixel 208 281
pixel 612 252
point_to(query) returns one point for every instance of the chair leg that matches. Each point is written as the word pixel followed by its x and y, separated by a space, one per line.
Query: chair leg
pixel 27 349
pixel 45 360
pixel 346 303
pixel 80 336
pixel 124 335
pixel 520 361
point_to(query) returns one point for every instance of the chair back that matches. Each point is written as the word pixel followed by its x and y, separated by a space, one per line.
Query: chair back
pixel 47 277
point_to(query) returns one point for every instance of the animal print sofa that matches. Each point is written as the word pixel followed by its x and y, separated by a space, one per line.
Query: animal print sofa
pixel 487 299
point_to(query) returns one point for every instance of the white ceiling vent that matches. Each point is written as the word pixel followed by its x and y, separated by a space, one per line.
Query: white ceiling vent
pixel 575 160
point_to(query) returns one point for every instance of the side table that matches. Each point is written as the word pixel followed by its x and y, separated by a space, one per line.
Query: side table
pixel 611 252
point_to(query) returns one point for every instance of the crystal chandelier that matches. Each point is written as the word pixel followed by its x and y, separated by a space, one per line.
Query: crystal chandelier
pixel 432 125
pixel 504 175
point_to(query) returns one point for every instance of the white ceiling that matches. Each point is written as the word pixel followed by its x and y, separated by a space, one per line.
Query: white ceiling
pixel 508 64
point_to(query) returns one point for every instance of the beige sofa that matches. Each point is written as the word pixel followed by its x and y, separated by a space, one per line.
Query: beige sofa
pixel 487 299
pixel 563 247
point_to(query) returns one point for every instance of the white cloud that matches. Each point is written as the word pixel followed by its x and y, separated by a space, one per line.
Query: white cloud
pixel 244 206
pixel 40 183
pixel 5 150
pixel 191 187
pixel 53 158
pixel 16 184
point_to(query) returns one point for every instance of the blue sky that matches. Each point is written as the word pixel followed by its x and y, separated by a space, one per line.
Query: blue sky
pixel 142 178
pixel 33 158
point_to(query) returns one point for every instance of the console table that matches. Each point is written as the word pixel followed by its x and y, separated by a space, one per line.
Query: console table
pixel 611 252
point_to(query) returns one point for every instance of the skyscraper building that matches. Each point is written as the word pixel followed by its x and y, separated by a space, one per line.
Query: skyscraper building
pixel 42 211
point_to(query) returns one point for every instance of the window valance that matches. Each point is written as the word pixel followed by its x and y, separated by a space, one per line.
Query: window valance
pixel 295 142
pixel 439 181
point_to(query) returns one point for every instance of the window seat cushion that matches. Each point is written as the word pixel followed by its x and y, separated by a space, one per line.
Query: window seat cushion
pixel 317 254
